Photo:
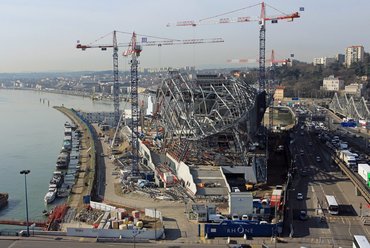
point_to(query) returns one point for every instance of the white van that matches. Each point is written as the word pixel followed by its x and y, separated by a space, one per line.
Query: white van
pixel 216 218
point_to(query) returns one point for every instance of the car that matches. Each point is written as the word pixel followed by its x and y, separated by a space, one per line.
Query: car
pixel 235 217
pixel 235 189
pixel 279 187
pixel 310 143
pixel 299 196
pixel 301 152
pixel 318 159
pixel 304 173
pixel 246 217
pixel 280 148
pixel 303 215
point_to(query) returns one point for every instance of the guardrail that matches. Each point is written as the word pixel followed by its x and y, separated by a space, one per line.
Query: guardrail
pixel 359 184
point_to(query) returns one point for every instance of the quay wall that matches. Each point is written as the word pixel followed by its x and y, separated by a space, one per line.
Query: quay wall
pixel 87 156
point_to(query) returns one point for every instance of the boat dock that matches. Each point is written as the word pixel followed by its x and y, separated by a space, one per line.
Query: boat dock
pixel 85 177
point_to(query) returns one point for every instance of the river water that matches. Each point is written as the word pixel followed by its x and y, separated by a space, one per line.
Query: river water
pixel 31 136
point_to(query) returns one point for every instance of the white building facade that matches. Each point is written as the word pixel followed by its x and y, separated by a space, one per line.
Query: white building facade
pixel 325 61
pixel 332 83
pixel 354 89
pixel 354 54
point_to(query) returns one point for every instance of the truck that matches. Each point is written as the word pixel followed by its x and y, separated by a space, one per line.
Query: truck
pixel 347 157
pixel 364 172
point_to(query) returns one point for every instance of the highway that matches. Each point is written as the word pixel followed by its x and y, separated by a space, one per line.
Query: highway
pixel 314 180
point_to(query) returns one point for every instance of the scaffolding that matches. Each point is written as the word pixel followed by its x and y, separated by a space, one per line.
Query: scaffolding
pixel 206 116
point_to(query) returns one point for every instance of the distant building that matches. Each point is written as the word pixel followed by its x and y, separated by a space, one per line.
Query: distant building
pixel 325 61
pixel 340 58
pixel 279 93
pixel 354 89
pixel 332 83
pixel 354 54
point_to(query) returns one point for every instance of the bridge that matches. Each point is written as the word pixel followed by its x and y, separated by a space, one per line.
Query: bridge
pixel 349 107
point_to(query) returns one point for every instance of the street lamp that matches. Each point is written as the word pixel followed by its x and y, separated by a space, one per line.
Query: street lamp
pixel 25 172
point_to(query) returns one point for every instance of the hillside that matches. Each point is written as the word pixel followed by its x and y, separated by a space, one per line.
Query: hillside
pixel 304 80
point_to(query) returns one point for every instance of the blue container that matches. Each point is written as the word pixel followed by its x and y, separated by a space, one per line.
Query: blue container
pixel 230 228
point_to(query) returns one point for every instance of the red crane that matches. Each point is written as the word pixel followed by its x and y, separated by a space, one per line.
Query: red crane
pixel 262 22
pixel 271 60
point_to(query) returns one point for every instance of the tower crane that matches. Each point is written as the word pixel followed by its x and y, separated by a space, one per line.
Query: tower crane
pixel 262 37
pixel 134 49
pixel 273 62
pixel 114 45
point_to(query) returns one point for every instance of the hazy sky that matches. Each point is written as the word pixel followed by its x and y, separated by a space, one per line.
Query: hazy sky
pixel 41 35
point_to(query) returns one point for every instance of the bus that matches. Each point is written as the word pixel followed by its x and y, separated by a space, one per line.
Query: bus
pixel 333 207
pixel 360 241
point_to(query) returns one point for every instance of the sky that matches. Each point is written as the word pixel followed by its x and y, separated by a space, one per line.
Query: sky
pixel 41 35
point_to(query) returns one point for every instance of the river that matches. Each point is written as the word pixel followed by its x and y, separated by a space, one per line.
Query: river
pixel 31 136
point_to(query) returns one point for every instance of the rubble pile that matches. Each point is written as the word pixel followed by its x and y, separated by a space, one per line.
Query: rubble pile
pixel 88 215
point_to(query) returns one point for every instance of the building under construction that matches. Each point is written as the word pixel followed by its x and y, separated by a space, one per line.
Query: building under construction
pixel 206 125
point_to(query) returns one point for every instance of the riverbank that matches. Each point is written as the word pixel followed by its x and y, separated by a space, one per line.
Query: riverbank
pixel 85 180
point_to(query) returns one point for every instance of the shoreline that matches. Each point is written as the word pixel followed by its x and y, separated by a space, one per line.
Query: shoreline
pixel 86 177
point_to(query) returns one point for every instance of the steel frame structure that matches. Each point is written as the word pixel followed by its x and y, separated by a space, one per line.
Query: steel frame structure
pixel 352 108
pixel 206 110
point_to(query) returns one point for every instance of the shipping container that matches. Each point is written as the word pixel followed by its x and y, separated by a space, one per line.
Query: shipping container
pixel 229 228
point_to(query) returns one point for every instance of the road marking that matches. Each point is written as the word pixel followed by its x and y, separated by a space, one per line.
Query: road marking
pixel 13 244
pixel 349 228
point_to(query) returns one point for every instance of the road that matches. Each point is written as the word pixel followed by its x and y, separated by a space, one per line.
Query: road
pixel 319 179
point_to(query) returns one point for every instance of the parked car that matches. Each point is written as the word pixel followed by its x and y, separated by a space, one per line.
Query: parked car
pixel 318 159
pixel 246 217
pixel 235 217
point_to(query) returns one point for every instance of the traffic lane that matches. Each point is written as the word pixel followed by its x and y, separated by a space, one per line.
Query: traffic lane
pixel 340 225
pixel 308 187
pixel 311 227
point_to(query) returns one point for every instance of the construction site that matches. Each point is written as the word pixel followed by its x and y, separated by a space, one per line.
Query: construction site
pixel 203 143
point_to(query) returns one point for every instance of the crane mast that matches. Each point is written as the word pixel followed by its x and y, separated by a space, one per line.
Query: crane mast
pixel 115 80
pixel 262 57
pixel 115 71
pixel 134 50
